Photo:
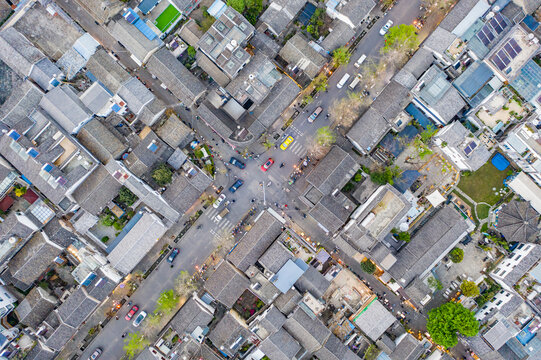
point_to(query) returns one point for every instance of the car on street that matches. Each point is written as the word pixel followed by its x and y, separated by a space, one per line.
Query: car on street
pixel 173 255
pixel 343 81
pixel 219 201
pixel 287 142
pixel 132 312
pixel 237 163
pixel 139 319
pixel 236 185
pixel 267 164
pixel 385 27
pixel 96 354
pixel 315 114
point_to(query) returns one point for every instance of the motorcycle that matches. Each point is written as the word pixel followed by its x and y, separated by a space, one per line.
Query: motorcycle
pixel 281 165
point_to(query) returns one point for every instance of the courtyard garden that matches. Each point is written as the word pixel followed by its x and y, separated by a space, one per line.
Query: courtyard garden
pixel 484 185
pixel 248 305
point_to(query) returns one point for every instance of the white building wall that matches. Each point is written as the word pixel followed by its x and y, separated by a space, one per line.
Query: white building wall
pixel 505 267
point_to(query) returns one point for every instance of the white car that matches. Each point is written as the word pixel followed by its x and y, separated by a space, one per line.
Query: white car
pixel 385 28
pixel 219 201
pixel 139 319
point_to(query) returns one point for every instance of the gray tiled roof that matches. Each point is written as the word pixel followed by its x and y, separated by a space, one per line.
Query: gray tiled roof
pixel 40 352
pixel 60 337
pixel 357 10
pixel 525 264
pixel 280 346
pixel 18 52
pixel 190 32
pixel 419 62
pixel 280 97
pixel 275 257
pixel 182 83
pixel 21 102
pixel 100 288
pixel 273 320
pixel 96 97
pixel 333 171
pixel 135 94
pixel 341 33
pixel 226 284
pixel 262 42
pixel 310 333
pixel 254 243
pixel 392 100
pixel 100 141
pixel 33 259
pixel 313 281
pixel 435 238
pixel 208 66
pixel 43 71
pixel 57 234
pixel 227 332
pixel 106 70
pixel 133 39
pixel 35 307
pixel 174 132
pixel 65 107
pixel 151 112
pixel 280 13
pixel 439 40
pixel 368 131
pixel 287 302
pixel 409 348
pixel 334 349
pixel 518 221
pixel 329 213
pixel 457 14
pixel 374 320
pixel 77 307
pixel 189 317
pixel 297 52
pixel 184 191
pixel 142 159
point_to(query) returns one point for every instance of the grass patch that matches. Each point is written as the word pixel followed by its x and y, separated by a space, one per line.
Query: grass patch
pixel 167 18
pixel 484 228
pixel 482 211
pixel 478 185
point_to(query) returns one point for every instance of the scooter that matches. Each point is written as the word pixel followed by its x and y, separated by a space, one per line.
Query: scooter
pixel 282 165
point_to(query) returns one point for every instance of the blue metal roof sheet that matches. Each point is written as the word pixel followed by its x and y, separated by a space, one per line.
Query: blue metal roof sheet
pixel 473 79
pixel 146 5
pixel 288 275
pixel 145 29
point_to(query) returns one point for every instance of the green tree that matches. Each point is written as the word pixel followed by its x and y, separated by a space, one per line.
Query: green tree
pixel 238 5
pixel 126 197
pixel 341 56
pixel 401 38
pixel 307 99
pixel 404 236
pixel 320 82
pixel 162 175
pixel 428 133
pixel 446 321
pixel 191 51
pixel 386 176
pixel 434 283
pixel 456 255
pixel 469 288
pixel 371 352
pixel 368 266
pixel 325 136
pixel 267 144
pixel 167 301
pixel 253 9
pixel 134 344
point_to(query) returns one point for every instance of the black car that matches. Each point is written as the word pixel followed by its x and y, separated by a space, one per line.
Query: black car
pixel 173 255
pixel 236 185
pixel 237 163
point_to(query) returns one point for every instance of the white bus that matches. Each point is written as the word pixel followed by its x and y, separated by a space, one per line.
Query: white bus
pixel 343 81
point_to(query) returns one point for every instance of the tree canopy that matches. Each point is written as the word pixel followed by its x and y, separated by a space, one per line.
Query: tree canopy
pixel 456 255
pixel 325 136
pixel 368 266
pixel 401 38
pixel 167 301
pixel 469 288
pixel 446 321
pixel 341 56
pixel 162 175
pixel 135 343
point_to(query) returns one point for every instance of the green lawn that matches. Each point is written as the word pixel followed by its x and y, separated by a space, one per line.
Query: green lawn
pixel 166 18
pixel 478 185
pixel 482 211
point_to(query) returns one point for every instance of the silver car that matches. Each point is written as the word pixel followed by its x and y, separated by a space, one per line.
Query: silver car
pixel 385 28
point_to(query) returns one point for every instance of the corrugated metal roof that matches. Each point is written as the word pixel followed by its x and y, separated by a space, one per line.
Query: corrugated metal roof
pixel 473 79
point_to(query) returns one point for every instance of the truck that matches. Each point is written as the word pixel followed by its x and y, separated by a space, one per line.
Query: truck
pixel 354 82
pixel 343 81
pixel 222 214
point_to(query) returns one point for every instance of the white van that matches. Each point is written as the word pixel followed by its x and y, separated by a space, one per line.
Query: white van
pixel 343 81
pixel 360 61
pixel 354 82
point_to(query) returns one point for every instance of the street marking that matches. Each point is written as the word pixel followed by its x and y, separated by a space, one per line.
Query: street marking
pixel 211 213
pixel 298 149
pixel 297 131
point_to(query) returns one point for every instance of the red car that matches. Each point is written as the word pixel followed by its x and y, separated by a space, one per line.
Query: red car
pixel 267 165
pixel 132 312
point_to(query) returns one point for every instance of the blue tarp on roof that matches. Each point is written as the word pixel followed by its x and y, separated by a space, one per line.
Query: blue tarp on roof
pixel 500 162
pixel 473 79
pixel 418 115
pixel 146 5
pixel 306 13
pixel 397 143
pixel 530 22
pixel 405 180
pixel 289 274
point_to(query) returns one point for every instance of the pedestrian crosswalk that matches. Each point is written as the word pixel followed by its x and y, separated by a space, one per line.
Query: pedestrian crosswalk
pixel 222 224
pixel 297 131
pixel 298 149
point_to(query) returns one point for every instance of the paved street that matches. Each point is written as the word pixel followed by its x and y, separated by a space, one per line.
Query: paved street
pixel 198 244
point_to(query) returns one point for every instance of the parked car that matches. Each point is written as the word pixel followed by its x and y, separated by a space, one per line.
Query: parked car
pixel 173 255
pixel 236 185
pixel 221 215
pixel 132 312
pixel 219 190
pixel 139 319
pixel 219 201
pixel 237 163
pixel 315 114
pixel 267 164
pixel 385 27
pixel 96 354
pixel 287 142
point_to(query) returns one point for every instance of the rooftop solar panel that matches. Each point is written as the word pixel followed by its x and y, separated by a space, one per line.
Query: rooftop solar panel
pixel 496 60
pixel 504 58
pixel 512 53
pixel 501 20
pixel 515 46
pixel 483 38
pixel 467 150
pixel 488 33
pixel 473 145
